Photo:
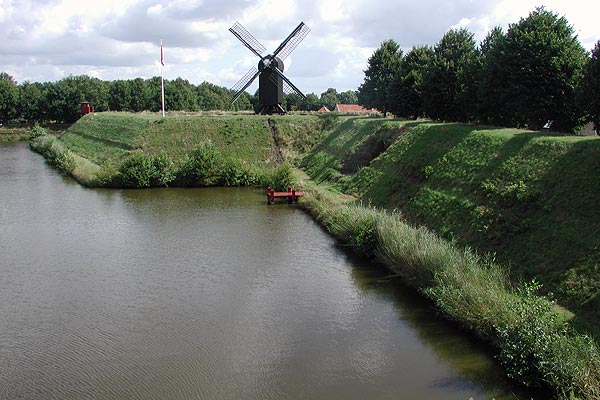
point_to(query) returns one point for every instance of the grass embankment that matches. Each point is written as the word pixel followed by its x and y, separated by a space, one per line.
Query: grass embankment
pixel 527 197
pixel 535 345
pixel 136 150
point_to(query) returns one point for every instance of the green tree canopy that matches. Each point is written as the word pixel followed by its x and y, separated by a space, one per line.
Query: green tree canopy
pixel 329 98
pixel 30 101
pixel 451 55
pixel 382 69
pixel 9 96
pixel 533 71
pixel 591 87
pixel 348 97
pixel 120 95
pixel 407 88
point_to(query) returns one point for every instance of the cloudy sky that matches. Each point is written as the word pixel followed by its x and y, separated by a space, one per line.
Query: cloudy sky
pixel 46 40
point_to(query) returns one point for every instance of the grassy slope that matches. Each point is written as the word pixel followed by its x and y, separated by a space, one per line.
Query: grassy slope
pixel 111 137
pixel 102 141
pixel 529 197
pixel 105 137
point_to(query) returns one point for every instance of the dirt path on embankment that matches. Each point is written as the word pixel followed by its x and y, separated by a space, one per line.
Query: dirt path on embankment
pixel 276 148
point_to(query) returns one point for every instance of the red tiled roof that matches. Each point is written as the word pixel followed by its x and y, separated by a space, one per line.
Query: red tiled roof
pixel 324 109
pixel 352 108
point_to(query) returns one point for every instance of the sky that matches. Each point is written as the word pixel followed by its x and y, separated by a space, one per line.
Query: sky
pixel 46 40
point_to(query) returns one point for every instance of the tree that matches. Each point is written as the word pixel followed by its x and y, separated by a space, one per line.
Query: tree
pixel 9 94
pixel 382 69
pixel 440 82
pixel 310 103
pixel 591 87
pixel 407 88
pixel 489 109
pixel 120 95
pixel 329 98
pixel 63 98
pixel 139 94
pixel 153 94
pixel 533 72
pixel 348 97
pixel 30 101
pixel 181 96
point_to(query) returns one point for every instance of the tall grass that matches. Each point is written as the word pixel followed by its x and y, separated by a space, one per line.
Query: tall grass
pixel 54 152
pixel 534 345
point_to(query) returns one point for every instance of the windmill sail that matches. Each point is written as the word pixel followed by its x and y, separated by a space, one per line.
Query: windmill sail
pixel 243 83
pixel 247 39
pixel 292 41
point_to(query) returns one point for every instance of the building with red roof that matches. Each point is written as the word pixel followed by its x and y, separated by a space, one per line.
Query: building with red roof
pixel 353 109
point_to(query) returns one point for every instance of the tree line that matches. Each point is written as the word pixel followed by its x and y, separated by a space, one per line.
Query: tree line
pixel 60 101
pixel 535 74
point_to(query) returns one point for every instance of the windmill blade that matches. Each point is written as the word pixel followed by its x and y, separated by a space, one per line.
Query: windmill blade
pixel 288 86
pixel 293 40
pixel 247 39
pixel 243 83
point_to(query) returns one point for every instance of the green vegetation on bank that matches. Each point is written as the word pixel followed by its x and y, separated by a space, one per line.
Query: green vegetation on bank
pixel 144 150
pixel 527 197
pixel 536 346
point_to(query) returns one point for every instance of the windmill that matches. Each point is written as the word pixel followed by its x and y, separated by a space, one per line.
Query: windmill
pixel 271 81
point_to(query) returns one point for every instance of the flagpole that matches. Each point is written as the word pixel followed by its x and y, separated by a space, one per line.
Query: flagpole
pixel 162 82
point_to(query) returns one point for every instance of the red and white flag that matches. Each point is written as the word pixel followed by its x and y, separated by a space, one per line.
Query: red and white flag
pixel 162 59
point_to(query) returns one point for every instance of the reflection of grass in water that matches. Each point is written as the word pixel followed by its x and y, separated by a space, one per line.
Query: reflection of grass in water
pixel 470 358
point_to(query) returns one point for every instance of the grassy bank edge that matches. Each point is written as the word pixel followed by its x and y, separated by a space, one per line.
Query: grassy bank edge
pixel 534 343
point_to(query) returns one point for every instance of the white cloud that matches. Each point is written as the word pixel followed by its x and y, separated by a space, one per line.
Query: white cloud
pixel 118 39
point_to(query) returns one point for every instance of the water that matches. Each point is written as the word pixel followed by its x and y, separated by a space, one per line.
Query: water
pixel 205 294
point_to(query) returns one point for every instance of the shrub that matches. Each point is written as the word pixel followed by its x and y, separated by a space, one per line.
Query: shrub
pixel 164 170
pixel 36 131
pixel 136 171
pixel 538 349
pixel 234 173
pixel 202 167
pixel 282 177
pixel 140 171
pixel 65 161
pixel 106 176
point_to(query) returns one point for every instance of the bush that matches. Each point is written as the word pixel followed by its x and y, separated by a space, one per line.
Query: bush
pixel 202 167
pixel 140 171
pixel 65 161
pixel 106 176
pixel 328 120
pixel 235 173
pixel 282 177
pixel 36 131
pixel 538 349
